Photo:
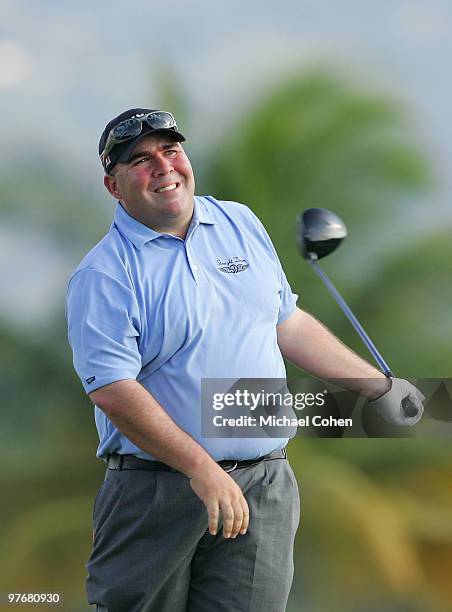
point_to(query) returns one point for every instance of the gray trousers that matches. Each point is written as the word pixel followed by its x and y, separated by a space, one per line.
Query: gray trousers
pixel 152 551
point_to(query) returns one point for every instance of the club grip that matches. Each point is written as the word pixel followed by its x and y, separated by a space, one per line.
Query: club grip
pixel 409 408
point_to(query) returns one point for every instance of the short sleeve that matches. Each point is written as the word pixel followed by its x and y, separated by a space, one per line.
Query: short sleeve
pixel 103 327
pixel 287 297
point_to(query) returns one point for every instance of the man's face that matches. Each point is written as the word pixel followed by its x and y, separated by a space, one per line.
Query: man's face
pixel 157 185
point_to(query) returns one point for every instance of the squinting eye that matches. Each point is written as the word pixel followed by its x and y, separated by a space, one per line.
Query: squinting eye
pixel 141 160
pixel 172 152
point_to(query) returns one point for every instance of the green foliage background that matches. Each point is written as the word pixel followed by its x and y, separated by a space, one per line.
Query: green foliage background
pixel 376 532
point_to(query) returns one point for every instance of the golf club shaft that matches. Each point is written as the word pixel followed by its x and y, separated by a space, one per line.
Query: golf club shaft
pixel 351 317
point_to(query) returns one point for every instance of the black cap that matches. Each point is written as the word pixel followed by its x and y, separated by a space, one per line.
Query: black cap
pixel 122 151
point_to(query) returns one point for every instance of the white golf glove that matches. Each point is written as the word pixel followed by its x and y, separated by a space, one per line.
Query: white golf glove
pixel 398 404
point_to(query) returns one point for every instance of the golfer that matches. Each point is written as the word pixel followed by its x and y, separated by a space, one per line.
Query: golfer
pixel 182 288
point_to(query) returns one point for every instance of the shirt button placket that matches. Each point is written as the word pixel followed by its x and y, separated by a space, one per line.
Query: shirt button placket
pixel 192 263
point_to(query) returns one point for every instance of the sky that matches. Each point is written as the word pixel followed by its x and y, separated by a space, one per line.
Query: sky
pixel 67 68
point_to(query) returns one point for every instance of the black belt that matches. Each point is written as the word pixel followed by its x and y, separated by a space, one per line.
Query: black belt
pixel 130 462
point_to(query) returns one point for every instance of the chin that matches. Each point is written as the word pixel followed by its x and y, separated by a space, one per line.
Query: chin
pixel 174 209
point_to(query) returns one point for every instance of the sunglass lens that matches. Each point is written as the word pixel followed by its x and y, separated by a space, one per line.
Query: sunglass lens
pixel 127 129
pixel 160 120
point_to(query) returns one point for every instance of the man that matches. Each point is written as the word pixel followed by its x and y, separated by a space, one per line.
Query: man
pixel 183 288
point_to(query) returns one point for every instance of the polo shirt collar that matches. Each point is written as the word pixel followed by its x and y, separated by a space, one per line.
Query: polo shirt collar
pixel 139 234
pixel 133 230
pixel 202 212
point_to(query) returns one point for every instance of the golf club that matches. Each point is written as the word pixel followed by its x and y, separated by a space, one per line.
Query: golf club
pixel 320 232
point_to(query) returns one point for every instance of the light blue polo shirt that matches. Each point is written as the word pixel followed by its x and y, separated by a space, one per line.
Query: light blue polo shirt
pixel 168 312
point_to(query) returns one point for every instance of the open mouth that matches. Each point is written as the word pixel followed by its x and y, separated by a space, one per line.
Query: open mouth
pixel 165 188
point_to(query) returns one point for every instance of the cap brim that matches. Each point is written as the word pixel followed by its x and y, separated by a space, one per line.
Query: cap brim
pixel 128 147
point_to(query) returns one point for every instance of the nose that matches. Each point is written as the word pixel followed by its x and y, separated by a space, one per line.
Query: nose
pixel 162 165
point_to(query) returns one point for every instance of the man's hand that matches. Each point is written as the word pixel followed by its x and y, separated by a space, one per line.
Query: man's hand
pixel 220 493
pixel 397 405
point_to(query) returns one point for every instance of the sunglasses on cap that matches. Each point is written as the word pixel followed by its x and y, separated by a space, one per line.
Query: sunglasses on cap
pixel 131 128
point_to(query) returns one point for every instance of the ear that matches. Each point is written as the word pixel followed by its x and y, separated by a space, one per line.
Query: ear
pixel 111 183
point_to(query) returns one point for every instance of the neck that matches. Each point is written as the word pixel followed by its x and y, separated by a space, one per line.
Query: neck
pixel 176 226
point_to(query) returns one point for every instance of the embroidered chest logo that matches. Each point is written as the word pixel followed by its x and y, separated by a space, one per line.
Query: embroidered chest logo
pixel 233 265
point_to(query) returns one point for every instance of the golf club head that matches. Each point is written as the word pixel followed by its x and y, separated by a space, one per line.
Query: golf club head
pixel 320 231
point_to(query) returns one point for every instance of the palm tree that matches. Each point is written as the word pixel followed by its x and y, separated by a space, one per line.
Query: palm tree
pixel 317 141
pixel 411 295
